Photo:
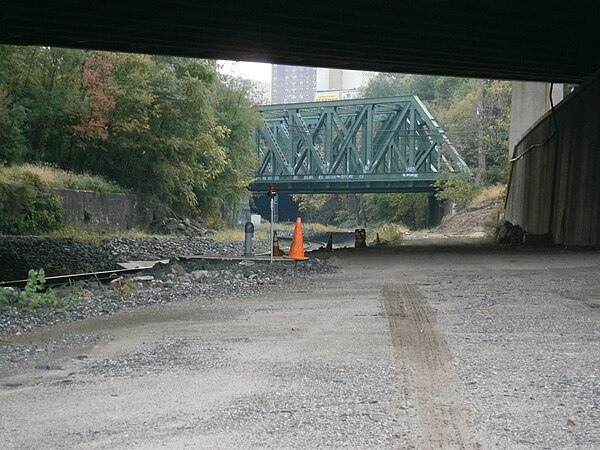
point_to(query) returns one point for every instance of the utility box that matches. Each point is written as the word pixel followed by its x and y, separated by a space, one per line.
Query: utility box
pixel 255 219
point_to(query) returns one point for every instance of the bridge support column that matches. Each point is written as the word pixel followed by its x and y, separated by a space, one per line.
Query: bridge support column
pixel 530 101
pixel 435 212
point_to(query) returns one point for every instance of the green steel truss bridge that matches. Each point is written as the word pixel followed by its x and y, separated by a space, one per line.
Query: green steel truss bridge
pixel 364 145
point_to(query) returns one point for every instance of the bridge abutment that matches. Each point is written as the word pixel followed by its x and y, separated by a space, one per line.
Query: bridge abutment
pixel 555 172
pixel 435 211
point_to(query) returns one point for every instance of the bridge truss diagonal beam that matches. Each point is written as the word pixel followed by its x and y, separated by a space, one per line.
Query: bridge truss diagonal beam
pixel 365 145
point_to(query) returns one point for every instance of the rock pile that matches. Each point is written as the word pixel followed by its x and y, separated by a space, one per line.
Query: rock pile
pixel 185 226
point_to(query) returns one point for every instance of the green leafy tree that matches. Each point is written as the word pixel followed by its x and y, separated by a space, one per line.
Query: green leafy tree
pixel 455 189
pixel 411 209
pixel 52 97
pixel 234 110
pixel 13 144
pixel 436 91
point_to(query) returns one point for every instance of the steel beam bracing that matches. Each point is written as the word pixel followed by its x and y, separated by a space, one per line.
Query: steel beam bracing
pixel 365 145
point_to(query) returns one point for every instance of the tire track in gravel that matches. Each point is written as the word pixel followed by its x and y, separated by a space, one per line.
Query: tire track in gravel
pixel 433 403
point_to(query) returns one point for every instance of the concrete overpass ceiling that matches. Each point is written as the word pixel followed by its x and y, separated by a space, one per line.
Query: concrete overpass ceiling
pixel 525 40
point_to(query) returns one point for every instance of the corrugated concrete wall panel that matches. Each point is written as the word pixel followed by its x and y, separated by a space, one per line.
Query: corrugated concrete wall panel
pixel 555 184
pixel 531 188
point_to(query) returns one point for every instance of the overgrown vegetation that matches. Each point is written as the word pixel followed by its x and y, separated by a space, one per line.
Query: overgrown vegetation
pixel 170 129
pixel 489 195
pixel 456 190
pixel 388 232
pixel 27 204
pixel 96 235
pixel 34 295
pixel 57 178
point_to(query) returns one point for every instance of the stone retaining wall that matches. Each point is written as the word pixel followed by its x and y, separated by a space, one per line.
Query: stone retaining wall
pixel 104 210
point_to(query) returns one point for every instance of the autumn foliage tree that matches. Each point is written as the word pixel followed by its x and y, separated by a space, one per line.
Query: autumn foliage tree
pixel 97 75
pixel 170 129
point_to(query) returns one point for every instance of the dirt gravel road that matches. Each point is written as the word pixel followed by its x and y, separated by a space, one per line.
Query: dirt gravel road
pixel 420 346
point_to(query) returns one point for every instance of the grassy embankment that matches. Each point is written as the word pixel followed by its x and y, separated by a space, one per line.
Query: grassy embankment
pixel 55 178
pixel 29 204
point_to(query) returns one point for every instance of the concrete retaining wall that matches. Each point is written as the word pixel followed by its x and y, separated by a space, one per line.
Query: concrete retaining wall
pixel 555 183
pixel 104 210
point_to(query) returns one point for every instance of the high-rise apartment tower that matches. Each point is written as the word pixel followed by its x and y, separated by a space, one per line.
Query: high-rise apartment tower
pixel 292 84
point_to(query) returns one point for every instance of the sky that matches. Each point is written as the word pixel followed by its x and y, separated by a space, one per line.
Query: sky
pixel 248 70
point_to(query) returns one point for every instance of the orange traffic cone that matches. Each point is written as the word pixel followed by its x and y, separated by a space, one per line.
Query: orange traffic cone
pixel 276 250
pixel 297 248
pixel 329 247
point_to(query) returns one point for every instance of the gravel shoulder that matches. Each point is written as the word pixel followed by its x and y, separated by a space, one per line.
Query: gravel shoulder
pixel 279 370
pixel 458 344
pixel 524 331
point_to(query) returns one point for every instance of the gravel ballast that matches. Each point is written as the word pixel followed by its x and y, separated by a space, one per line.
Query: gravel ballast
pixel 178 280
pixel 18 254
pixel 93 299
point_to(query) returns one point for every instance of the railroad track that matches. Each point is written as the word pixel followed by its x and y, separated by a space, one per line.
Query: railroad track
pixel 61 280
pixel 107 275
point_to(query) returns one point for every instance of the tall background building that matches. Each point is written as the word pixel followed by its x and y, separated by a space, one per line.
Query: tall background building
pixel 338 79
pixel 292 84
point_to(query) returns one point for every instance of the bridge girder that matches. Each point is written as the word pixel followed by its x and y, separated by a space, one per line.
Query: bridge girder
pixel 365 145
